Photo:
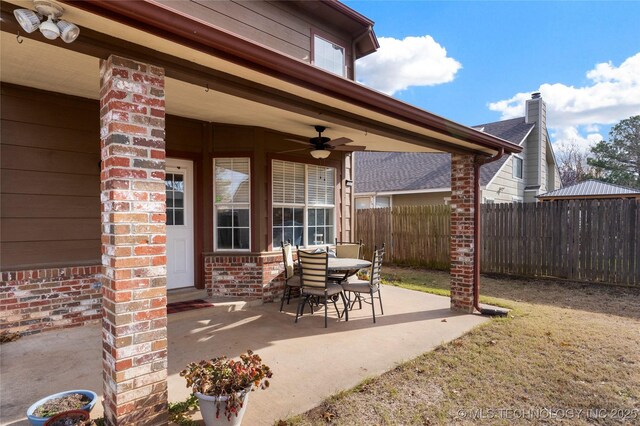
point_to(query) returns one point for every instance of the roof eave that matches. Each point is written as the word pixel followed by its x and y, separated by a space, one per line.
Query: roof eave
pixel 184 29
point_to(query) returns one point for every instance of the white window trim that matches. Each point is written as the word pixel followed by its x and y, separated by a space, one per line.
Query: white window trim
pixel 516 199
pixel 305 206
pixel 344 54
pixel 513 172
pixel 229 205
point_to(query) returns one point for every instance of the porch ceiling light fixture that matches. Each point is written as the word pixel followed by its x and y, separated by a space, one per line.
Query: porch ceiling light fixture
pixel 53 27
pixel 320 154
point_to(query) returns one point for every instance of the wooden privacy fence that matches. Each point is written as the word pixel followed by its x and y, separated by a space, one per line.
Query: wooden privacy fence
pixel 585 240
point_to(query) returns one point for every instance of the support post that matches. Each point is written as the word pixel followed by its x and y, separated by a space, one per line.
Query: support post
pixel 134 324
pixel 462 232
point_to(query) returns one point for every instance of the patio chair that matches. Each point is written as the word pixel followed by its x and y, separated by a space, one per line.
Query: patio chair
pixel 316 285
pixel 348 249
pixel 367 290
pixel 291 280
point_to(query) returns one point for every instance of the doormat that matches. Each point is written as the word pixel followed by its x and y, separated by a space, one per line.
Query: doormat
pixel 187 305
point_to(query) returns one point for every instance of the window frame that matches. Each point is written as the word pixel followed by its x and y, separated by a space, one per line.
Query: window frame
pixel 369 201
pixel 215 205
pixel 305 207
pixel 375 201
pixel 517 158
pixel 335 41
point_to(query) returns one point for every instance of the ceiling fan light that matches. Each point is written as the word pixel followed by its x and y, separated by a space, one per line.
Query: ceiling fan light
pixel 28 19
pixel 49 29
pixel 320 154
pixel 68 31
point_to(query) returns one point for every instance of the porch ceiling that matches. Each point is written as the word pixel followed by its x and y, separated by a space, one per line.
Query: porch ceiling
pixel 55 67
pixel 48 67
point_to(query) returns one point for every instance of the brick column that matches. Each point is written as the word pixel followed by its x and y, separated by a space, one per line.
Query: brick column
pixel 461 243
pixel 134 324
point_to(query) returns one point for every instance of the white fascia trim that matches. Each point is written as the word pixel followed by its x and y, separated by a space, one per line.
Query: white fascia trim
pixel 414 191
pixel 553 153
pixel 498 172
pixel 505 163
pixel 526 136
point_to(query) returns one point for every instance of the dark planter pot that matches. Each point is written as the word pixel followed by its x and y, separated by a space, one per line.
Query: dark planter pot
pixel 75 415
pixel 40 421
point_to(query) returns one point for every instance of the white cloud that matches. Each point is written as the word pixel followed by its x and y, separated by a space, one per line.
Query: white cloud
pixel 566 137
pixel 575 113
pixel 399 64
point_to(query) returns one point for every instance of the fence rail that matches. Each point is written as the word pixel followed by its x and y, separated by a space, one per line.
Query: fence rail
pixel 585 240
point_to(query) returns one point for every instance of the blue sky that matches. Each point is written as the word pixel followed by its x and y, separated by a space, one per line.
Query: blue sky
pixel 499 52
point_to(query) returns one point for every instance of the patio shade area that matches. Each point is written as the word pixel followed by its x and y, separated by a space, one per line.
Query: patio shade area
pixel 413 324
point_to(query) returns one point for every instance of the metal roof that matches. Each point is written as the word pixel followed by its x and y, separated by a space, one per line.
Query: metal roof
pixel 590 188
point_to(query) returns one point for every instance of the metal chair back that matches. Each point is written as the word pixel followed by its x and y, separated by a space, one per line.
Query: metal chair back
pixel 376 267
pixel 313 268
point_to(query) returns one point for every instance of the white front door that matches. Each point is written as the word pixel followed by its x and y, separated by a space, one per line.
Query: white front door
pixel 179 189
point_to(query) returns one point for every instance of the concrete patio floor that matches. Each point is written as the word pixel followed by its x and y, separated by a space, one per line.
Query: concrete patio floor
pixel 309 362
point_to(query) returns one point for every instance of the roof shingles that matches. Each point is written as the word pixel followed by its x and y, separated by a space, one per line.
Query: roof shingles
pixel 394 171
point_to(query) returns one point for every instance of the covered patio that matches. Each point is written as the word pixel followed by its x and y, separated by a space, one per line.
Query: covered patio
pixel 309 362
pixel 108 131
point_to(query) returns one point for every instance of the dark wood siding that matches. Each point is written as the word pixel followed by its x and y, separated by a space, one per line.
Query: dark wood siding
pixel 258 21
pixel 280 25
pixel 50 184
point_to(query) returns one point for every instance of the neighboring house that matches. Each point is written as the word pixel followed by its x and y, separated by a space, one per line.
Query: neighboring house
pixel 154 153
pixel 401 179
pixel 590 190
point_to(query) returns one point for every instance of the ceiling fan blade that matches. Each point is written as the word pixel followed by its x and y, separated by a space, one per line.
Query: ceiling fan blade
pixel 350 148
pixel 293 150
pixel 339 141
pixel 298 141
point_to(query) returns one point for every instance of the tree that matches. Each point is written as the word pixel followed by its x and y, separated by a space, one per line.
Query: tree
pixel 572 163
pixel 618 160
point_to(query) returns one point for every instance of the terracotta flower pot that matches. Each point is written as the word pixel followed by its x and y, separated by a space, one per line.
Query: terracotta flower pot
pixel 72 417
pixel 209 406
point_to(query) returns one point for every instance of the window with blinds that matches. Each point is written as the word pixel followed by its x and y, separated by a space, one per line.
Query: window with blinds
pixel 303 203
pixel 329 56
pixel 232 203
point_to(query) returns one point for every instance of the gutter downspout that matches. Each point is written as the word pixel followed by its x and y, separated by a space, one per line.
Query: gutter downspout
pixel 476 235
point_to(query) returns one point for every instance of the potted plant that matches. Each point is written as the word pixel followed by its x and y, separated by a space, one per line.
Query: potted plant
pixel 47 407
pixel 70 418
pixel 222 386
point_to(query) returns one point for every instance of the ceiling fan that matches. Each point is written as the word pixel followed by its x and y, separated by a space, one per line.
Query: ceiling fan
pixel 321 146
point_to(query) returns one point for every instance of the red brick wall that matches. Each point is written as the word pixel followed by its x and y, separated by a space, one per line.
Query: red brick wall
pixel 258 276
pixel 134 326
pixel 32 301
pixel 462 226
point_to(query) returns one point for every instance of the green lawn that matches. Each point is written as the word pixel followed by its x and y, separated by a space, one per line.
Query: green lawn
pixel 565 346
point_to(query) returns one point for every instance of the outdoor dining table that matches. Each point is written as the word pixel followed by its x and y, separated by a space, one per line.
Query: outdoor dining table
pixel 346 266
